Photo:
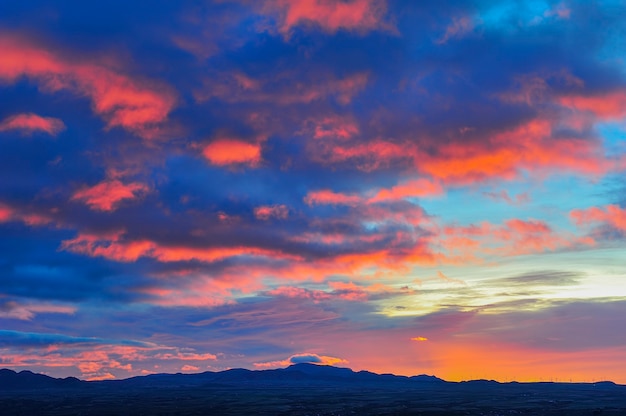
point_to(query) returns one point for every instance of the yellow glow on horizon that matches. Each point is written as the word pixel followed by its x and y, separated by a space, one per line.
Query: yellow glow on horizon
pixel 419 339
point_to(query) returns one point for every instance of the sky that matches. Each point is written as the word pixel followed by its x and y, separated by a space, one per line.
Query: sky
pixel 387 185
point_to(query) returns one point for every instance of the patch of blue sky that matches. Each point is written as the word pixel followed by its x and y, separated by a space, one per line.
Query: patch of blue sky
pixel 547 200
pixel 509 15
pixel 614 136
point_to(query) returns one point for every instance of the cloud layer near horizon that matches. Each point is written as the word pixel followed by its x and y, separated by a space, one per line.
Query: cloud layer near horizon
pixel 319 180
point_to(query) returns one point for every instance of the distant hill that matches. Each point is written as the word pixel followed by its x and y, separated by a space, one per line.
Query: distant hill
pixel 10 380
pixel 297 375
pixel 302 374
pixel 301 390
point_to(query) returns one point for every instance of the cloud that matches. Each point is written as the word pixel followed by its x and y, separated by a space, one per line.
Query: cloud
pixel 10 338
pixel 108 194
pixel 29 123
pixel 27 311
pixel 608 106
pixel 94 358
pixel 303 358
pixel 6 213
pixel 543 278
pixel 267 212
pixel 347 291
pixel 411 189
pixel 137 106
pixel 333 127
pixel 611 215
pixel 116 247
pixel 285 89
pixel 328 197
pixel 25 215
pixel 226 152
pixel 511 238
pixel 459 27
pixel 360 16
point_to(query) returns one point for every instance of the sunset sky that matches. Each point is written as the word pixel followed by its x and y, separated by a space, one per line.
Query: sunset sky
pixel 390 185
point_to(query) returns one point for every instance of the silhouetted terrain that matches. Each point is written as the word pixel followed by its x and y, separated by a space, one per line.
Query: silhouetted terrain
pixel 302 389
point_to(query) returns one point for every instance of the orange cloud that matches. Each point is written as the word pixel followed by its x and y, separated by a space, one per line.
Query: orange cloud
pixel 29 123
pixel 113 246
pixel 411 189
pixel 613 215
pixel 328 197
pixel 107 195
pixel 419 339
pixel 527 147
pixel 331 15
pixel 504 155
pixel 267 212
pixel 137 106
pixel 224 152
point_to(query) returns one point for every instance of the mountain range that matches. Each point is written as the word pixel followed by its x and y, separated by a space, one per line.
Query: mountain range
pixel 300 390
pixel 297 374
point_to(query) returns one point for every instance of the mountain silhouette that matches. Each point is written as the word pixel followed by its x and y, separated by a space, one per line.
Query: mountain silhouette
pixel 297 374
pixel 300 390
pixel 11 380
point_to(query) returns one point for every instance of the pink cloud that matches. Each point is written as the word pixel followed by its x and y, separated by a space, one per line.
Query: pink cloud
pixel 186 356
pixel 334 128
pixel 613 215
pixel 417 188
pixel 303 358
pixel 366 156
pixel 23 214
pixel 135 105
pixel 27 311
pixel 29 123
pixel 97 361
pixel 224 152
pixel 267 212
pixel 512 238
pixel 6 213
pixel 611 105
pixel 331 15
pixel 328 197
pixel 107 195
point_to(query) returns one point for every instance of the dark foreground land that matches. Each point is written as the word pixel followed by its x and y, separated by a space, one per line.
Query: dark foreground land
pixel 301 390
